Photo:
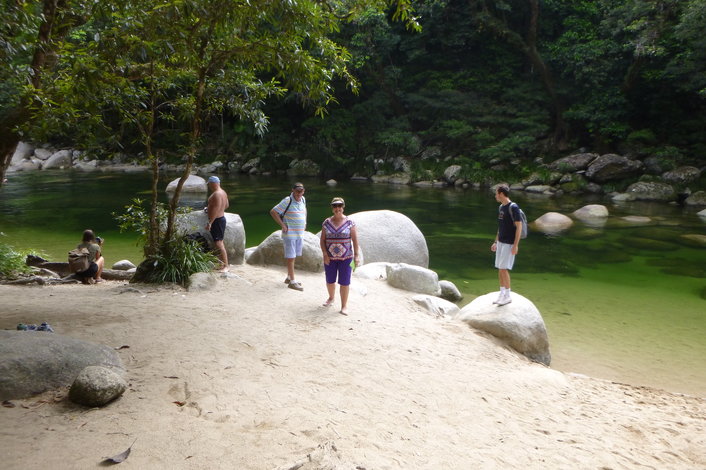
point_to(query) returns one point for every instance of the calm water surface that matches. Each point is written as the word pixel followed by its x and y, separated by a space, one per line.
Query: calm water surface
pixel 622 302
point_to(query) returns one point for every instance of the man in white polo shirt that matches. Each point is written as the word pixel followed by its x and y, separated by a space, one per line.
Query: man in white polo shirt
pixel 290 215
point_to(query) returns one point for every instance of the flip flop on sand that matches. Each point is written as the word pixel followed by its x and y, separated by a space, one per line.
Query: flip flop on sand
pixel 328 303
pixel 343 312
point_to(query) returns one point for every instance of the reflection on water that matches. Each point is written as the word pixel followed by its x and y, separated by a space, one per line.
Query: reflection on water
pixel 623 299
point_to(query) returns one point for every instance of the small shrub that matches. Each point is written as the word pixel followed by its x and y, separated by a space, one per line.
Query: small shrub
pixel 175 262
pixel 12 262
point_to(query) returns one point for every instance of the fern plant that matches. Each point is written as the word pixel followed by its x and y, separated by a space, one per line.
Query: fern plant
pixel 176 261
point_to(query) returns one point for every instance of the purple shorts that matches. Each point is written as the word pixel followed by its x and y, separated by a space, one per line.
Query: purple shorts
pixel 340 268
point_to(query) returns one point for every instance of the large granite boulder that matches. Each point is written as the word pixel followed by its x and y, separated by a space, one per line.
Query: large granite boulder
pixel 518 323
pixel 702 214
pixel 123 265
pixel 60 159
pixel 97 386
pixel 271 251
pixel 23 151
pixel 395 178
pixel 28 165
pixel 377 271
pixel 452 173
pixel 33 362
pixel 591 212
pixel 413 278
pixel 390 237
pixel 303 168
pixel 572 163
pixel 251 166
pixel 652 191
pixel 552 222
pixel 90 165
pixel 233 239
pixel 611 167
pixel 43 154
pixel 540 189
pixel 449 291
pixel 696 199
pixel 193 184
pixel 682 175
pixel 436 306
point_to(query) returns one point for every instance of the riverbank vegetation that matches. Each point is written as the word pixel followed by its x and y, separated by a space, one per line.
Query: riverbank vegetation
pixel 149 77
pixel 12 261
pixel 375 86
pixel 481 83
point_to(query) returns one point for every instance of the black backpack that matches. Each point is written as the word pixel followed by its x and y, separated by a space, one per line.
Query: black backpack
pixel 199 240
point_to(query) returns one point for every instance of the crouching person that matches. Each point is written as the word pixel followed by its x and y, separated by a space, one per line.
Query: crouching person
pixel 94 245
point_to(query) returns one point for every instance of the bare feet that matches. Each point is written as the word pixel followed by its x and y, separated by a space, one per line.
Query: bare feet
pixel 328 303
pixel 344 311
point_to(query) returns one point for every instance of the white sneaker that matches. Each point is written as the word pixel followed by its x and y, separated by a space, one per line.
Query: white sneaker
pixel 295 285
pixel 500 296
pixel 504 300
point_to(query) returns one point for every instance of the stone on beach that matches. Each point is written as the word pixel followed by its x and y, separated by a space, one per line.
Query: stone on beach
pixel 391 237
pixel 32 362
pixel 518 323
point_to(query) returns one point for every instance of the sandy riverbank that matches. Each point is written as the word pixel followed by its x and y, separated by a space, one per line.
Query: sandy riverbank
pixel 254 375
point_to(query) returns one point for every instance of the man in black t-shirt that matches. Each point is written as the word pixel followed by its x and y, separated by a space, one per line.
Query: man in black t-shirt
pixel 507 241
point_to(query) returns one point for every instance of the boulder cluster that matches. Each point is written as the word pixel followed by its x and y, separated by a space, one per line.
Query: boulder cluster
pixel 27 157
pixel 589 173
pixel 578 173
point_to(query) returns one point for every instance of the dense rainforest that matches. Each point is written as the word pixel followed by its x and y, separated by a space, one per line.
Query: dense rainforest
pixel 476 82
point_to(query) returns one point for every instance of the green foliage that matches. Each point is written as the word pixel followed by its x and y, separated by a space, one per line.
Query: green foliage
pixel 508 148
pixel 427 170
pixel 12 262
pixel 136 218
pixel 641 137
pixel 206 78
pixel 176 261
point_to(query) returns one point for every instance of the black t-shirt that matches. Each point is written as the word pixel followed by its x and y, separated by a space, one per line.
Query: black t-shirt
pixel 506 225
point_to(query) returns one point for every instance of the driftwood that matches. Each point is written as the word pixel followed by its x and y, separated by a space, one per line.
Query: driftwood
pixel 41 280
pixel 62 269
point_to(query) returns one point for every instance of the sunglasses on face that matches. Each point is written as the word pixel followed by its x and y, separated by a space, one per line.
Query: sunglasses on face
pixel 336 205
pixel 299 190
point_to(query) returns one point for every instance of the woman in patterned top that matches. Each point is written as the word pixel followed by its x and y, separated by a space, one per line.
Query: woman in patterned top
pixel 339 244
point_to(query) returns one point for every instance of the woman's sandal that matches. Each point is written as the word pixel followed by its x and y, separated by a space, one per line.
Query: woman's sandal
pixel 328 303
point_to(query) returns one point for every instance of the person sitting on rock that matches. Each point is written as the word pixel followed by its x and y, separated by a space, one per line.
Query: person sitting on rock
pixel 94 245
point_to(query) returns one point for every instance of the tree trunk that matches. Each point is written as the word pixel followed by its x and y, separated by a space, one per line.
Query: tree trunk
pixel 193 145
pixel 21 115
pixel 538 63
pixel 528 46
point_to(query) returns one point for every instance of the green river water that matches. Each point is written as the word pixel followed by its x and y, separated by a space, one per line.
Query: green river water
pixel 624 302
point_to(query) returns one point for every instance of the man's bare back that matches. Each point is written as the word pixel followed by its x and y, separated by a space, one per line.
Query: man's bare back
pixel 217 204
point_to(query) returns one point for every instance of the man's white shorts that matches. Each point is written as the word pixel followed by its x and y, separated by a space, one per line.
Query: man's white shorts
pixel 293 247
pixel 504 259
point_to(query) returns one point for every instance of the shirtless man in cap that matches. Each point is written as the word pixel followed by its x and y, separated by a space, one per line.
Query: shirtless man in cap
pixel 217 205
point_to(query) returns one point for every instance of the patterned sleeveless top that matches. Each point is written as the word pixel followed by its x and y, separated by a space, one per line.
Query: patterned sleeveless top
pixel 338 240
